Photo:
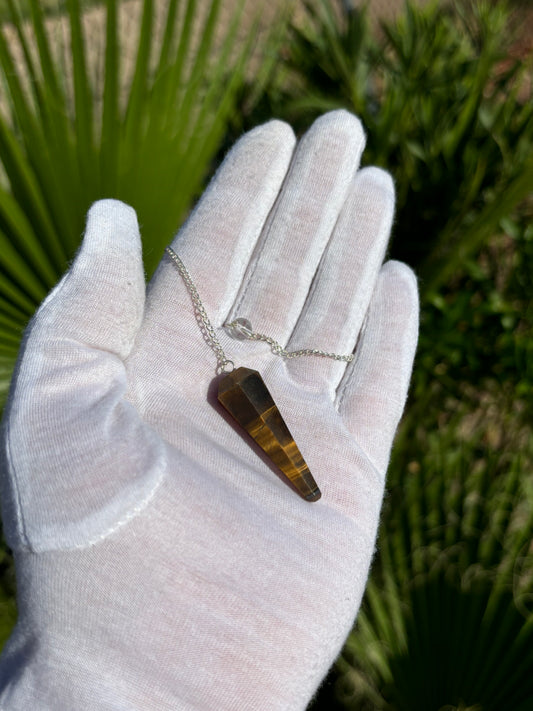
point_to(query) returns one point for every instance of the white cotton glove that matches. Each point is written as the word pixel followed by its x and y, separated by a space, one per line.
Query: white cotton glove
pixel 161 563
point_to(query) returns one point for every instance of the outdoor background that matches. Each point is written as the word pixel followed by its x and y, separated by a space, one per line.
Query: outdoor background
pixel 140 99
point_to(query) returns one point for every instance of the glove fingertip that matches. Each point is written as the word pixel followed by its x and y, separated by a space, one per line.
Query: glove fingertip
pixel 111 226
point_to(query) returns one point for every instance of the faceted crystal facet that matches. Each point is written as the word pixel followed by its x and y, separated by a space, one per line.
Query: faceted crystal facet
pixel 245 396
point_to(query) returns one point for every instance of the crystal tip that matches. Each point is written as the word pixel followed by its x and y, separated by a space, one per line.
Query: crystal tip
pixel 314 495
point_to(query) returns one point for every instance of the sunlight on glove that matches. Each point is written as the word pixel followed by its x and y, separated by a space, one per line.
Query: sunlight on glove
pixel 162 564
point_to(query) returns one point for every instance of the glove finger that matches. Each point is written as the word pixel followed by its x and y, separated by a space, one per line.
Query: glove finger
pixel 81 462
pixel 100 300
pixel 335 308
pixel 283 266
pixel 372 394
pixel 217 240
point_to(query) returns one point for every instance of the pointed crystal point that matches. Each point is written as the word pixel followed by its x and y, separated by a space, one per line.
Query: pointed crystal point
pixel 245 396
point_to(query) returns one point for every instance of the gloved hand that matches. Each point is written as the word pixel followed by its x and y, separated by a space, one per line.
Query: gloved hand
pixel 161 563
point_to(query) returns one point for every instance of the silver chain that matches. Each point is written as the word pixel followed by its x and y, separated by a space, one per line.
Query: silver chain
pixel 201 314
pixel 243 326
pixel 240 328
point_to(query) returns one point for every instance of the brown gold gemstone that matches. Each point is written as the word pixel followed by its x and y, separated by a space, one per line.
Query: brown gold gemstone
pixel 245 396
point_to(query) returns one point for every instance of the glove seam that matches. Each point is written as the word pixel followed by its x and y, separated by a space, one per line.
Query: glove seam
pixel 25 544
pixel 12 481
pixel 129 516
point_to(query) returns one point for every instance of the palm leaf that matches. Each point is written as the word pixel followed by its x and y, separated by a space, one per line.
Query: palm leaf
pixel 72 134
pixel 447 620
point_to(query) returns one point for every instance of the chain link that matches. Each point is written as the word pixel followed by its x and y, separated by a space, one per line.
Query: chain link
pixel 278 349
pixel 241 328
pixel 201 314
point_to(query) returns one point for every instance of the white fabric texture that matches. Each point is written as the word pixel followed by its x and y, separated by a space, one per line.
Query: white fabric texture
pixel 162 564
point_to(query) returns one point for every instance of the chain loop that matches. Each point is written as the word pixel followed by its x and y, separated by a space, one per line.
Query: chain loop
pixel 240 328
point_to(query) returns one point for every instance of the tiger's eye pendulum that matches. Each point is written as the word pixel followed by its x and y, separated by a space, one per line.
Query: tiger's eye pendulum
pixel 243 393
pixel 246 397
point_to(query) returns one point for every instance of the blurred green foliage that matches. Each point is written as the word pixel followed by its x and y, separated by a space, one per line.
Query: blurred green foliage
pixel 130 111
pixel 49 7
pixel 447 621
pixel 8 610
pixel 440 98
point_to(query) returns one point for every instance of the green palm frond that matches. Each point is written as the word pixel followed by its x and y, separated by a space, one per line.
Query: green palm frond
pixel 78 123
pixel 447 621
